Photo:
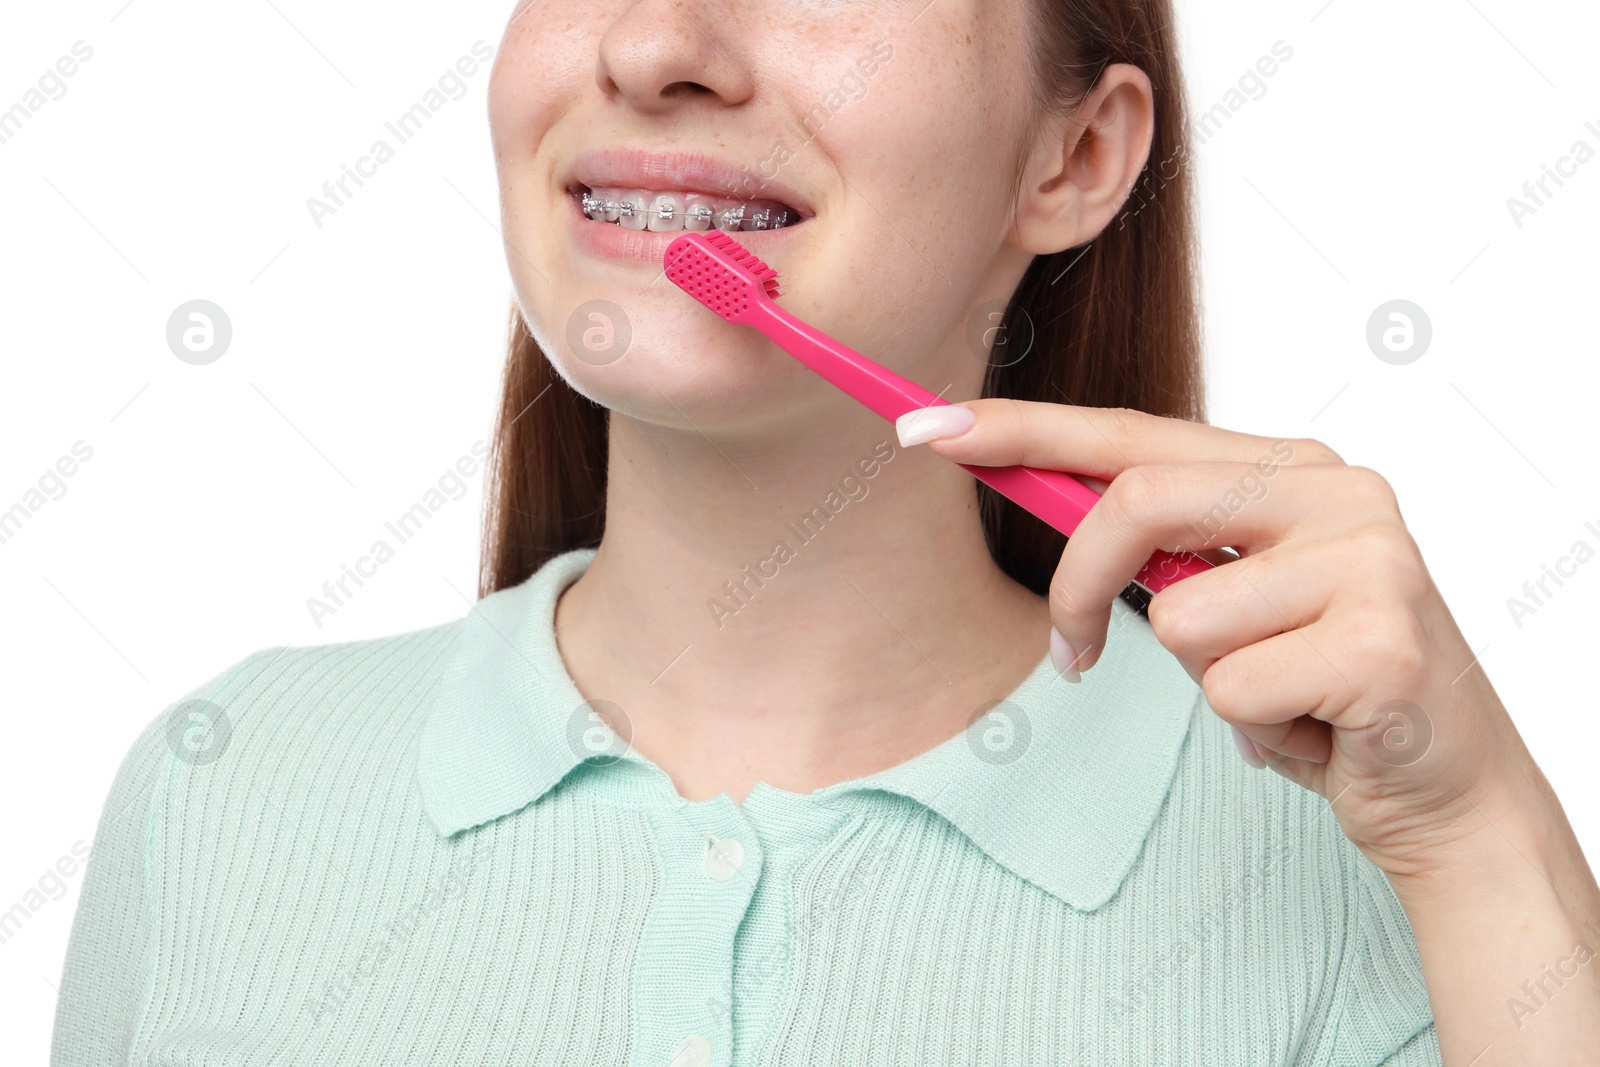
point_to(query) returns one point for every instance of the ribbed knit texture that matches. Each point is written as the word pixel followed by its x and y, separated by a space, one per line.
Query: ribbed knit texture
pixel 295 900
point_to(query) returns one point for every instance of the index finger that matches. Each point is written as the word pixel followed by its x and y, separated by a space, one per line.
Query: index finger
pixel 1104 442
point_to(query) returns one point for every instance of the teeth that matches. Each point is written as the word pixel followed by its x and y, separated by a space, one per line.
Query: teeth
pixel 645 209
pixel 666 212
pixel 697 215
pixel 631 209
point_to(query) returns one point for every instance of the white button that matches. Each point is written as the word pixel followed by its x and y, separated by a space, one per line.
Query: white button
pixel 694 1052
pixel 724 857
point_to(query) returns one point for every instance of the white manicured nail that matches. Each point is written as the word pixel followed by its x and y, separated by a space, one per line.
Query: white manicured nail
pixel 1063 657
pixel 932 423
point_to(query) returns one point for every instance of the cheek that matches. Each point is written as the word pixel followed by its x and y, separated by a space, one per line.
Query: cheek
pixel 951 126
pixel 545 63
pixel 927 154
pixel 546 57
pixel 941 158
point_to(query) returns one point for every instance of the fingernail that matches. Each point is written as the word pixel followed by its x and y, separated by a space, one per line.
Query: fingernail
pixel 932 423
pixel 1064 658
pixel 1247 749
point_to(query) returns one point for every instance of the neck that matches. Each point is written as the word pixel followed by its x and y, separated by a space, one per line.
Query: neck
pixel 798 612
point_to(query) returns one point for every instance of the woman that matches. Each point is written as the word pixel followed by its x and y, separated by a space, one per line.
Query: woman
pixel 775 741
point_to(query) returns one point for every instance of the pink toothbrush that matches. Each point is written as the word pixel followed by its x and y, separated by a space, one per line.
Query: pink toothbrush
pixel 724 276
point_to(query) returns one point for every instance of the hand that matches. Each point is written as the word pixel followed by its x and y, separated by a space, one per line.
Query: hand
pixel 1325 644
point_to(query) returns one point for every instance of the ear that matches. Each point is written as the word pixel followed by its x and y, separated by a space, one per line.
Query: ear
pixel 1084 164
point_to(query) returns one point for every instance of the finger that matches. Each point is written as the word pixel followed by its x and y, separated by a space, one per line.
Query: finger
pixel 1305 773
pixel 1207 616
pixel 1281 692
pixel 1106 441
pixel 1178 508
pixel 1214 556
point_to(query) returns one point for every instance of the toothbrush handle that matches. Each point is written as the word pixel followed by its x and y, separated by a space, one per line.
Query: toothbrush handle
pixel 1054 496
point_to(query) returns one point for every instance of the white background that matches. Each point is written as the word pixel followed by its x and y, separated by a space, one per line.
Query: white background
pixel 366 353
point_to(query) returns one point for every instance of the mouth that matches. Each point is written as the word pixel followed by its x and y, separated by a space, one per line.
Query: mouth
pixel 674 211
pixel 622 198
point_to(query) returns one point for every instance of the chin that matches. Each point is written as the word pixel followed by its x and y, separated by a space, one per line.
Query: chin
pixel 703 381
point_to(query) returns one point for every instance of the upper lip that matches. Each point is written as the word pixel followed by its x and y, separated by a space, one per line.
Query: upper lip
pixel 690 172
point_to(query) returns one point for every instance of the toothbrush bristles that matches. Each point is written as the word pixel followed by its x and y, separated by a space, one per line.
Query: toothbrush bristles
pixel 747 260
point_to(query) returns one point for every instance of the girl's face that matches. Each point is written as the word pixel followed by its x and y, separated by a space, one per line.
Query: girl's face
pixel 889 128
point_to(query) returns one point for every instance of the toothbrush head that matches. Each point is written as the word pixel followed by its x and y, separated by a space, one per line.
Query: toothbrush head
pixel 720 273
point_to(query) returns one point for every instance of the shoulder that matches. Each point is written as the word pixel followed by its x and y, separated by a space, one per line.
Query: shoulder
pixel 304 698
pixel 306 728
pixel 233 803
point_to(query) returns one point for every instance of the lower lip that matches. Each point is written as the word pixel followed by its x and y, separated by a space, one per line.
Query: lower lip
pixel 611 240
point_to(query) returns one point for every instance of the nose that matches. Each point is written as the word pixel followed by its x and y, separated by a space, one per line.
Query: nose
pixel 660 53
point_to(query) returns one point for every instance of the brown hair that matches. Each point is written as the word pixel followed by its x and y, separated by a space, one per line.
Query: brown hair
pixel 1113 323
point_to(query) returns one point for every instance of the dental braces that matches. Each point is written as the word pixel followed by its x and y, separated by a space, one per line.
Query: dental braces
pixel 594 207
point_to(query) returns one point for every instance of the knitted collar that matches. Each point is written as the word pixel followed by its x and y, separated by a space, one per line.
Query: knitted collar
pixel 1060 784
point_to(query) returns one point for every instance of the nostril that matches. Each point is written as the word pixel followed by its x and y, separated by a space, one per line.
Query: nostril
pixel 684 89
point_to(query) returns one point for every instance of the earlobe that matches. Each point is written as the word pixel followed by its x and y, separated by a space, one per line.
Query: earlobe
pixel 1084 165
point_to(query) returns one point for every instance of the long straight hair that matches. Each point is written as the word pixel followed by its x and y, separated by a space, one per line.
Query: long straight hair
pixel 1113 324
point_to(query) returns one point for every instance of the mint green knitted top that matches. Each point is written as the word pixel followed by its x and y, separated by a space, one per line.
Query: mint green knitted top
pixel 427 849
